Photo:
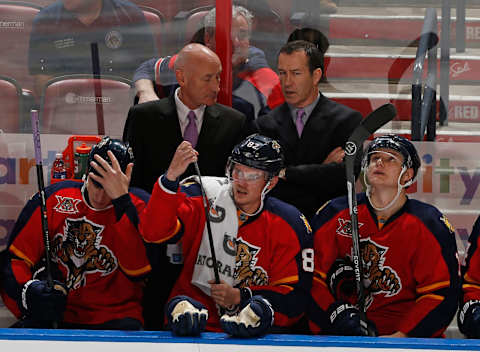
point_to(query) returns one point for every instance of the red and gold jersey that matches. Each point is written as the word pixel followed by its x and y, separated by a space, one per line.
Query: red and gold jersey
pixel 274 255
pixel 96 253
pixel 410 266
pixel 471 277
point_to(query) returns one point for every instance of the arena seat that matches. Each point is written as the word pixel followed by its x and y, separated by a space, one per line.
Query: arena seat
pixel 169 8
pixel 156 20
pixel 16 20
pixel 69 104
pixel 10 101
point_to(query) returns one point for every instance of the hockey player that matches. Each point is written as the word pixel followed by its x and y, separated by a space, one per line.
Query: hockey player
pixel 262 245
pixel 97 252
pixel 408 249
pixel 469 313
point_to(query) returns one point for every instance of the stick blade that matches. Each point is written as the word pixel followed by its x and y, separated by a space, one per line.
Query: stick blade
pixel 379 117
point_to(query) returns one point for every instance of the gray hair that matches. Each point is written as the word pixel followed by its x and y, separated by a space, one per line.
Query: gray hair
pixel 209 20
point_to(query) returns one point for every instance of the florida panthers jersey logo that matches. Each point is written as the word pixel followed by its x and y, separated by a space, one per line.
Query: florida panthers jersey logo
pixel 79 250
pixel 345 227
pixel 377 277
pixel 66 205
pixel 246 273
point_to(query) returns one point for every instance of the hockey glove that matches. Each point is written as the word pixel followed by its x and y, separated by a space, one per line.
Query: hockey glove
pixel 254 319
pixel 469 319
pixel 43 303
pixel 341 280
pixel 186 316
pixel 345 320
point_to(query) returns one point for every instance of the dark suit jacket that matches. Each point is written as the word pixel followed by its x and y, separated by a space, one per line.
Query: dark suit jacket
pixel 154 133
pixel 309 183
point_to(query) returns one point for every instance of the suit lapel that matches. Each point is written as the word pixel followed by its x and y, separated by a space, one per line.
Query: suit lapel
pixel 169 112
pixel 210 126
pixel 287 131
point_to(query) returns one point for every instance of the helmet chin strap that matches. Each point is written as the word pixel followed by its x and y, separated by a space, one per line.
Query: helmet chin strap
pixel 399 190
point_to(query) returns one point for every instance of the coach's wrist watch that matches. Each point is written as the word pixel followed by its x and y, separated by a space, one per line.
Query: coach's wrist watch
pixel 282 172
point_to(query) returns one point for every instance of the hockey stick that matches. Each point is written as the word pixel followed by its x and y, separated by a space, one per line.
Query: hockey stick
pixel 354 145
pixel 43 202
pixel 209 228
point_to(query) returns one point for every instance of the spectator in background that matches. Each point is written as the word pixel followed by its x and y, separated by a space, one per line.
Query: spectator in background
pixel 312 130
pixel 98 256
pixel 254 82
pixel 155 130
pixel 63 32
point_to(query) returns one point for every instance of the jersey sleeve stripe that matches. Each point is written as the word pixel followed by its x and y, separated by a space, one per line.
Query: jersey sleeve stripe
pixel 321 274
pixel 433 287
pixel 173 234
pixel 289 288
pixel 286 280
pixel 322 282
pixel 136 272
pixel 476 287
pixel 469 279
pixel 21 255
pixel 431 296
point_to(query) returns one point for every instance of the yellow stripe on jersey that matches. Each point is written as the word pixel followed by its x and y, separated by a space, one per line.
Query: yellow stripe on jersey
pixel 137 272
pixel 322 282
pixel 290 288
pixel 431 296
pixel 286 280
pixel 469 279
pixel 321 274
pixel 471 286
pixel 433 287
pixel 175 232
pixel 21 255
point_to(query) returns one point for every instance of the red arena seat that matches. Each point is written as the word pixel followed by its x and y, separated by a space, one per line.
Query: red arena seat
pixel 10 97
pixel 71 105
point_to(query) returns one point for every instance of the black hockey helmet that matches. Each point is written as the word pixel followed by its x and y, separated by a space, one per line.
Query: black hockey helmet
pixel 399 144
pixel 121 150
pixel 259 152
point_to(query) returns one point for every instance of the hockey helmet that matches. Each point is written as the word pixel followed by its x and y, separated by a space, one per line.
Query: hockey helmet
pixel 399 144
pixel 259 152
pixel 123 153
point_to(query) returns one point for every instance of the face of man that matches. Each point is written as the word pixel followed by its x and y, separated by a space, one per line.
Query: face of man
pixel 200 82
pixel 384 168
pixel 97 196
pixel 248 184
pixel 240 40
pixel 299 86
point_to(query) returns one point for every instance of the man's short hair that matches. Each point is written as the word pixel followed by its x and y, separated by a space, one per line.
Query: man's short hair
pixel 209 20
pixel 314 55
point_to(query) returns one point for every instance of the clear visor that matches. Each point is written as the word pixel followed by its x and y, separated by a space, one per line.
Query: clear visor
pixel 235 174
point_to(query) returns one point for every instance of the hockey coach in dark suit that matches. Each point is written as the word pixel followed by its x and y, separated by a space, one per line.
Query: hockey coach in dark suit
pixel 155 129
pixel 312 130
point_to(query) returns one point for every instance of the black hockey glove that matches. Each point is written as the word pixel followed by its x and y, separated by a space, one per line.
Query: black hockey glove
pixel 341 280
pixel 469 319
pixel 186 316
pixel 345 320
pixel 43 303
pixel 254 319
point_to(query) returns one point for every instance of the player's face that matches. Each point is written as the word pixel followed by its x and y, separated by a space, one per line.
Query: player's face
pixel 384 168
pixel 299 86
pixel 201 83
pixel 248 184
pixel 97 196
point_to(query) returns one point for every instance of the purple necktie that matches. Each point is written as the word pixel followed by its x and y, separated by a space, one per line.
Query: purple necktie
pixel 299 121
pixel 191 132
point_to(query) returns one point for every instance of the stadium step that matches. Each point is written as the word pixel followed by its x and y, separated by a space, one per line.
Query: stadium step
pixel 464 106
pixel 387 25
pixel 394 63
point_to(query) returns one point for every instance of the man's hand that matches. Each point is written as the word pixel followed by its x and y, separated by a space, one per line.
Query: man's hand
pixel 113 180
pixel 42 302
pixel 186 316
pixel 335 156
pixel 184 156
pixel 145 91
pixel 224 295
